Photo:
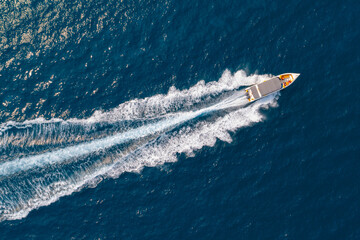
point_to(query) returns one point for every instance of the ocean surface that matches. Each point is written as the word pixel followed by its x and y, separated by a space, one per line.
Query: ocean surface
pixel 124 119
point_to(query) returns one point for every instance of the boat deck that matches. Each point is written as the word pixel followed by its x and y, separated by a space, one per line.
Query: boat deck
pixel 265 88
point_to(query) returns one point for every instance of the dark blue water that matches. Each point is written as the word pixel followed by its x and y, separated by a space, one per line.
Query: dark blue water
pixel 115 120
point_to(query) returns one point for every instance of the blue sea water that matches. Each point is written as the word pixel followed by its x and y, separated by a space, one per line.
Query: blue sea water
pixel 125 119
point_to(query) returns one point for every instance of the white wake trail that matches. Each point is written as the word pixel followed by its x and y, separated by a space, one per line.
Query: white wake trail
pixel 58 156
pixel 30 182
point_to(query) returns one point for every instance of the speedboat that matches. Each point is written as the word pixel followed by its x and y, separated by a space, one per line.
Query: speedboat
pixel 269 86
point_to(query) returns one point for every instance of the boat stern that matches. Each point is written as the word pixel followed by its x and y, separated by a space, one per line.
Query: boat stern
pixel 249 95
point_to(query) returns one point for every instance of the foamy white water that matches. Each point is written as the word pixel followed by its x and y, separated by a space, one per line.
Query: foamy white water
pixel 61 173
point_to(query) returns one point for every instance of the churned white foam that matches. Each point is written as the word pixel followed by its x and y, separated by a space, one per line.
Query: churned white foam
pixel 60 155
pixel 48 176
pixel 189 139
